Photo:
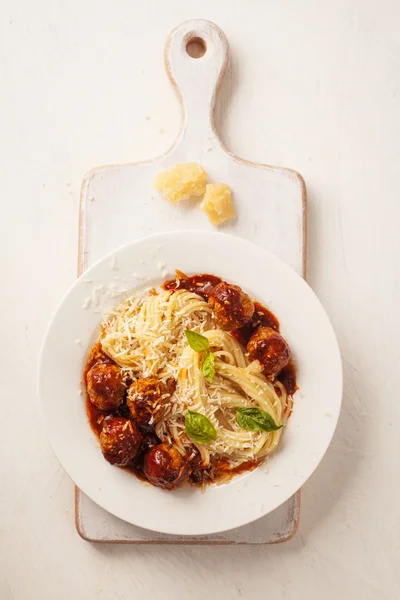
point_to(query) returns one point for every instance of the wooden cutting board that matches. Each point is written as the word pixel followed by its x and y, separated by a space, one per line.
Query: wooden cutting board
pixel 119 204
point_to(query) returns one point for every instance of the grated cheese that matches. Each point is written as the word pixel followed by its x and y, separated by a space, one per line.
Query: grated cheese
pixel 145 336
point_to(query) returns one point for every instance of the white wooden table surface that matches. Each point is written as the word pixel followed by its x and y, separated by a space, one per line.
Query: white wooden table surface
pixel 314 86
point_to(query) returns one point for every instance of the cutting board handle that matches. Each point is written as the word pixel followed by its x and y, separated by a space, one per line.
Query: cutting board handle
pixel 196 59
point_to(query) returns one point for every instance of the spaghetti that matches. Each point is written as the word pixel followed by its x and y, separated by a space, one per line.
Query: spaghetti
pixel 145 337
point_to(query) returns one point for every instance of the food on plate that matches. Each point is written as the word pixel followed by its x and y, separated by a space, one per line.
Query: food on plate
pixel 268 347
pixel 120 440
pixel 191 383
pixel 145 400
pixel 218 204
pixel 232 307
pixel 105 386
pixel 165 467
pixel 181 182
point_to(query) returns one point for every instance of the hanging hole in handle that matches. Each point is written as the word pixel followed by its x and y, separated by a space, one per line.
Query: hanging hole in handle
pixel 196 47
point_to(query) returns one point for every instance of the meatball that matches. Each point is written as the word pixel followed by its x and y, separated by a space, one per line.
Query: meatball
pixel 120 440
pixel 105 386
pixel 268 347
pixel 145 398
pixel 232 307
pixel 165 467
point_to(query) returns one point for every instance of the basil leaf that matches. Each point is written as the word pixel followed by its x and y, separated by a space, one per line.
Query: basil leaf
pixel 197 342
pixel 199 428
pixel 255 419
pixel 207 366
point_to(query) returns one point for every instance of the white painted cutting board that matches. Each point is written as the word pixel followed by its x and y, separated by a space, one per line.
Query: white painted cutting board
pixel 119 204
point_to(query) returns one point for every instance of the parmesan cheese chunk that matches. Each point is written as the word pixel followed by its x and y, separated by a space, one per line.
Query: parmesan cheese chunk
pixel 217 203
pixel 181 182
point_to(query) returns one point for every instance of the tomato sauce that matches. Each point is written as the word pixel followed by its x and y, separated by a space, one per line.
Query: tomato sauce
pixel 198 284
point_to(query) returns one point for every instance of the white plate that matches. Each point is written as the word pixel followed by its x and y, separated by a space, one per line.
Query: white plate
pixel 304 323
